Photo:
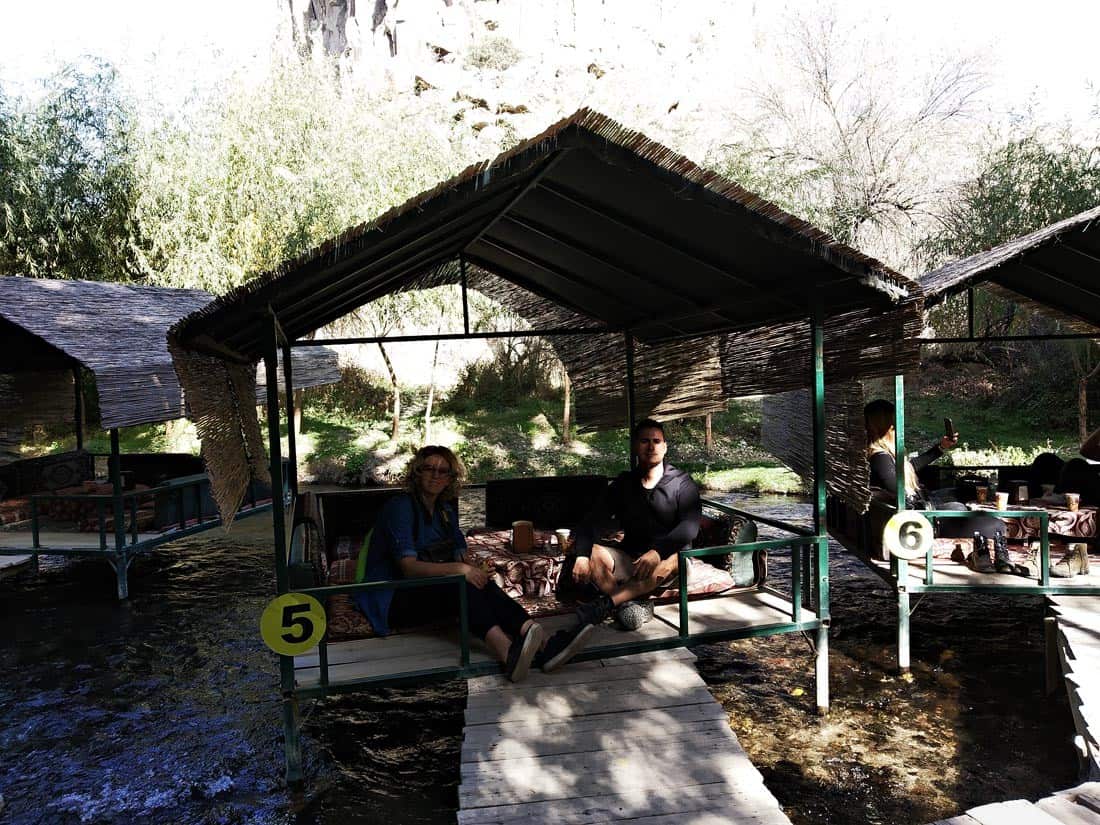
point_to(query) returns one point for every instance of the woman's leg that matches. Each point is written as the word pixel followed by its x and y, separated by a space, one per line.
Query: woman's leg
pixel 964 528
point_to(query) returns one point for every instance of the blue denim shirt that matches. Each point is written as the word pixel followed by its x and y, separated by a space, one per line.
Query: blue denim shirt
pixel 394 538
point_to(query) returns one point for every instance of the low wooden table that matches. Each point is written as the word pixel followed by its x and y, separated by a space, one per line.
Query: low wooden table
pixel 534 574
pixel 1079 524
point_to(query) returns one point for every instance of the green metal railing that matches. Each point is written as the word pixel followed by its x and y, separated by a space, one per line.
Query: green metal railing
pixel 322 594
pixel 1044 537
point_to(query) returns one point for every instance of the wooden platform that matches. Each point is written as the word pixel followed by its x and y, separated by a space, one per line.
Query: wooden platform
pixel 62 540
pixel 947 572
pixel 1076 806
pixel 409 652
pixel 637 738
pixel 1078 650
pixel 10 565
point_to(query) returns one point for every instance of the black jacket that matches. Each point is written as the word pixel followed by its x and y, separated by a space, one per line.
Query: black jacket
pixel 666 517
pixel 884 476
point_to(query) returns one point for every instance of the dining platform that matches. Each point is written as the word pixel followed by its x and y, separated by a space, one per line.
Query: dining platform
pixel 396 658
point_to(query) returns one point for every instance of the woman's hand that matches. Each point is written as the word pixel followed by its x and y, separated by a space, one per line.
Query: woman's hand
pixel 948 442
pixel 475 575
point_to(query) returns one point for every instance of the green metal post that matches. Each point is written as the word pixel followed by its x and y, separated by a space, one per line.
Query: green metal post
pixel 121 563
pixel 1044 548
pixel 292 741
pixel 681 564
pixel 821 662
pixel 291 723
pixel 630 411
pixel 271 365
pixel 901 566
pixel 35 540
pixel 78 413
pixel 463 625
pixel 291 447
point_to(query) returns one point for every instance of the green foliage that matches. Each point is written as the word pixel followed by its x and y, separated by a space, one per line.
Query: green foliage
pixel 68 188
pixel 258 174
pixel 359 392
pixel 519 368
pixel 493 52
pixel 1021 185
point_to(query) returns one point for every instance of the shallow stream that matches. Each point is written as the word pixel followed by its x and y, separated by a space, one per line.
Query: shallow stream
pixel 164 708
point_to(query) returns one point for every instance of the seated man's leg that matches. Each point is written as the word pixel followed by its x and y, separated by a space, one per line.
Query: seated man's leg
pixel 613 574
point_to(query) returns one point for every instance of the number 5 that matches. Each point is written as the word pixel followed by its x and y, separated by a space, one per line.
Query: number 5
pixel 291 619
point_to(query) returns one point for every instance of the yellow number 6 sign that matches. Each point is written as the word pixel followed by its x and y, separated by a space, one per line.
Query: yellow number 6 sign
pixel 908 535
pixel 292 623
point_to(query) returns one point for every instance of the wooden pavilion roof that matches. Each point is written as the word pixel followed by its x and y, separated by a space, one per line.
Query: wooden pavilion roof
pixel 1055 269
pixel 589 215
pixel 119 333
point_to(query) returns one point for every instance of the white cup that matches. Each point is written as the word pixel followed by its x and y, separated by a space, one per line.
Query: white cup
pixel 562 534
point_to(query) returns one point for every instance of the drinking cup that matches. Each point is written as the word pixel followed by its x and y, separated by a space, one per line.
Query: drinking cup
pixel 564 541
pixel 1002 501
pixel 1073 501
pixel 982 493
pixel 1023 496
pixel 523 536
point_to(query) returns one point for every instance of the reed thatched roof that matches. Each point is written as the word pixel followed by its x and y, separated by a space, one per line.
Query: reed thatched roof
pixel 1055 269
pixel 589 225
pixel 594 217
pixel 119 333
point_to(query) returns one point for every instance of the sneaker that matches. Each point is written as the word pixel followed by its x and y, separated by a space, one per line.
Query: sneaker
pixel 979 563
pixel 563 646
pixel 1074 563
pixel 596 611
pixel 632 614
pixel 522 653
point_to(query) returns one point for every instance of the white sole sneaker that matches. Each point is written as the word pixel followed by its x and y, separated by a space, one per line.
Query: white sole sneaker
pixel 532 642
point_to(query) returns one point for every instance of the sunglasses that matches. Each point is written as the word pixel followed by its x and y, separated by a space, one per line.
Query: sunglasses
pixel 436 471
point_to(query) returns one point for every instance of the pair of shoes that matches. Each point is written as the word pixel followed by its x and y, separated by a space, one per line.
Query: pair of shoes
pixel 565 644
pixel 1002 563
pixel 979 560
pixel 632 614
pixel 1074 563
pixel 522 652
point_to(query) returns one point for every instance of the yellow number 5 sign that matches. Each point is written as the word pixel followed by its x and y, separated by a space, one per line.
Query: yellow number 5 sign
pixel 292 623
pixel 908 535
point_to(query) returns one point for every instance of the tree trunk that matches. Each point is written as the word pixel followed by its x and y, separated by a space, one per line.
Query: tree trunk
pixel 396 430
pixel 299 401
pixel 708 441
pixel 431 396
pixel 566 413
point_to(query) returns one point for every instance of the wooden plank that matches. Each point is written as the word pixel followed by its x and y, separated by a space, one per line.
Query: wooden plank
pixel 1014 812
pixel 563 704
pixel 957 820
pixel 737 611
pixel 652 678
pixel 640 722
pixel 1067 812
pixel 641 753
pixel 566 778
pixel 612 738
pixel 611 807
pixel 578 672
pixel 353 671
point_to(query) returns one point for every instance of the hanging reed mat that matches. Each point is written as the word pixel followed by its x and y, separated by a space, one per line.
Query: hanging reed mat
pixel 786 430
pixel 221 397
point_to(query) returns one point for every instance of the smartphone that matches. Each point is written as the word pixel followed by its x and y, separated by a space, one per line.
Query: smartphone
pixel 948 428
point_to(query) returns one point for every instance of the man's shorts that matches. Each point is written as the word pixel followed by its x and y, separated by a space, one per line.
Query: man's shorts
pixel 624 565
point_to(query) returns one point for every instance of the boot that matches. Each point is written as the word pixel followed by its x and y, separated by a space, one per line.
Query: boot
pixel 1029 568
pixel 1075 562
pixel 978 560
pixel 1002 563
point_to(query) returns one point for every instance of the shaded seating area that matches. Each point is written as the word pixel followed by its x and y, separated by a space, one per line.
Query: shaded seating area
pixel 1052 271
pixel 61 338
pixel 655 282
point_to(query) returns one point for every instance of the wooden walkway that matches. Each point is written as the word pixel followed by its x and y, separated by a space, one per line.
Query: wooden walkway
pixel 10 565
pixel 1076 806
pixel 636 738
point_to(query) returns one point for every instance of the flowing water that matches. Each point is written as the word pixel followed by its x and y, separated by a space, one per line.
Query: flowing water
pixel 165 708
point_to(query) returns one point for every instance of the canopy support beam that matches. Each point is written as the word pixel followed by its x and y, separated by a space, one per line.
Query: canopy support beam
pixel 465 295
pixel 78 412
pixel 631 412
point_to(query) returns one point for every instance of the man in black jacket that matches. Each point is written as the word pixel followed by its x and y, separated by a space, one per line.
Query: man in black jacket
pixel 659 509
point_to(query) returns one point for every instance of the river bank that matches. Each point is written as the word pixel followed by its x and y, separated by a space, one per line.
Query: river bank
pixel 165 708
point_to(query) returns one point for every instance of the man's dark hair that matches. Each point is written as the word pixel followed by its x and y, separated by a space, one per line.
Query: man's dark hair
pixel 647 424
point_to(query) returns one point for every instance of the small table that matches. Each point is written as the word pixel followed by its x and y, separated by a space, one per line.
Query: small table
pixel 1078 524
pixel 533 574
